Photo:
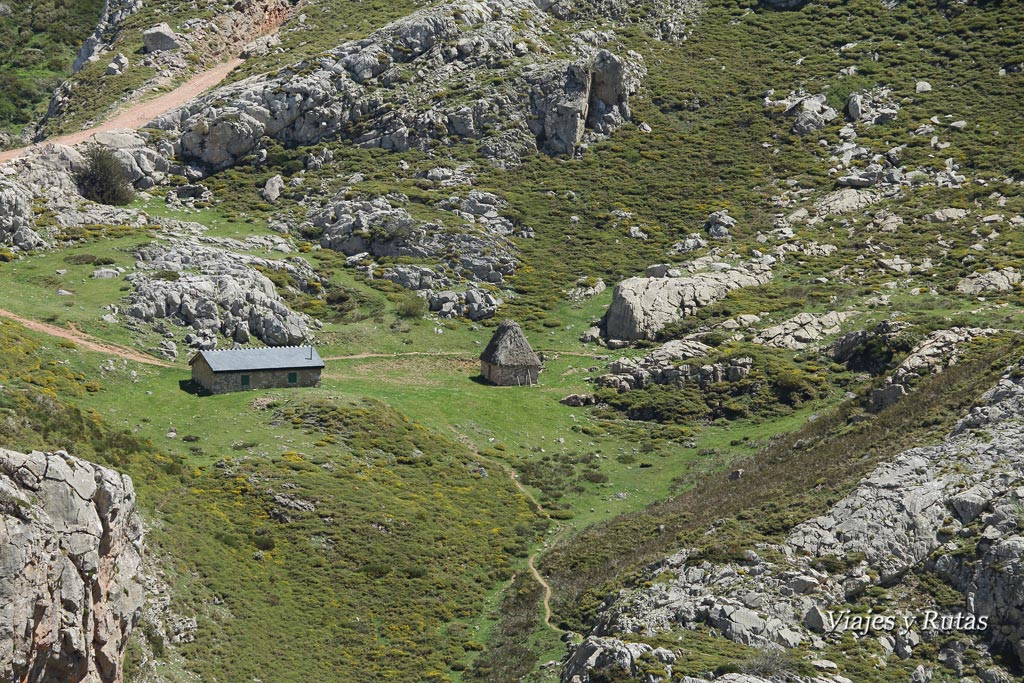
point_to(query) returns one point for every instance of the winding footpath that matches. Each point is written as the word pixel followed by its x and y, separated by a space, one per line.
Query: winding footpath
pixel 141 113
pixel 531 561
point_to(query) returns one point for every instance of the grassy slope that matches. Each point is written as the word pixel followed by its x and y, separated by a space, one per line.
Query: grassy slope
pixel 383 580
pixel 38 43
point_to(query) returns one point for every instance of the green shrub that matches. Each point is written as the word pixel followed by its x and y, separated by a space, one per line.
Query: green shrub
pixel 411 306
pixel 103 179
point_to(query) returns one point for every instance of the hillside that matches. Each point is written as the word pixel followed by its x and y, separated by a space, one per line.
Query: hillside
pixel 769 255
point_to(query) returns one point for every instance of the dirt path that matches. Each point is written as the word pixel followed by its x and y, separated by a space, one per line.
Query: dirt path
pixel 531 561
pixel 451 354
pixel 138 115
pixel 84 340
pixel 405 354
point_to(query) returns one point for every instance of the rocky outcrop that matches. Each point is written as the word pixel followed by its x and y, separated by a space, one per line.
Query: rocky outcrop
pixel 718 225
pixel 953 508
pixel 114 14
pixel 217 292
pixel 145 167
pixel 810 112
pixel 641 307
pixel 992 281
pixel 375 227
pixel 377 91
pixel 475 304
pixel 586 289
pixel 70 552
pixel 937 351
pixel 609 656
pixel 677 363
pixel 845 201
pixel 872 107
pixel 802 330
pixel 17 218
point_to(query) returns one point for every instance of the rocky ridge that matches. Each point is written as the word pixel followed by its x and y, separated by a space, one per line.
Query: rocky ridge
pixel 376 92
pixel 952 508
pixel 70 553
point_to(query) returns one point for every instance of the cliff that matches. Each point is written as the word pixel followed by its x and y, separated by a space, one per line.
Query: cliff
pixel 70 551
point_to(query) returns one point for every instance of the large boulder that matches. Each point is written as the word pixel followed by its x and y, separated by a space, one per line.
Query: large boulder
pixel 159 38
pixel 70 557
pixel 642 306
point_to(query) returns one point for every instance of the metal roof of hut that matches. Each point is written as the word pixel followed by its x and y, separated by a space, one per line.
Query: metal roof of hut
pixel 509 347
pixel 270 358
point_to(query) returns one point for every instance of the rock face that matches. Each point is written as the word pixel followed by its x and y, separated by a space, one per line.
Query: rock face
pixel 224 294
pixel 917 509
pixel 801 330
pixel 609 655
pixel 70 552
pixel 642 306
pixel 373 91
pixel 16 217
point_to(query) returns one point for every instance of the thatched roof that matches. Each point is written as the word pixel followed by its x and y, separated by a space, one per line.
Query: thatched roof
pixel 509 347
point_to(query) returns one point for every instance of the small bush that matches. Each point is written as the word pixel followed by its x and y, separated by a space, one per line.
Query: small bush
pixel 103 179
pixel 411 306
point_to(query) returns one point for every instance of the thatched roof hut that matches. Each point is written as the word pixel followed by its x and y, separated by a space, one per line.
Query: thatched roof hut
pixel 508 359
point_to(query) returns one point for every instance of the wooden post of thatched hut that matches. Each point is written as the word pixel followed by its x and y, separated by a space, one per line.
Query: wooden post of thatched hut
pixel 508 360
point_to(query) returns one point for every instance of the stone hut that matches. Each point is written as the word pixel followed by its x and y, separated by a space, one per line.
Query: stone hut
pixel 220 372
pixel 508 359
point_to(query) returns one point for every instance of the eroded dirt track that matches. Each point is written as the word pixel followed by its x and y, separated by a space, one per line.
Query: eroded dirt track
pixel 141 113
pixel 84 340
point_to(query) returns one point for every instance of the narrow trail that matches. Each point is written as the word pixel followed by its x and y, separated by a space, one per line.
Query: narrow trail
pixel 141 113
pixel 84 340
pixel 531 561
pixel 402 354
pixel 450 354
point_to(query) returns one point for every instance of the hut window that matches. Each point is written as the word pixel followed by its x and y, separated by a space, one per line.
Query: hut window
pixel 245 380
pixel 293 378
